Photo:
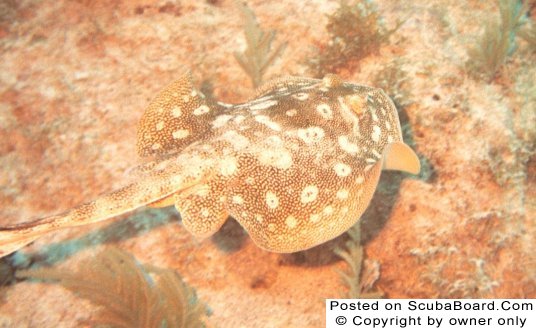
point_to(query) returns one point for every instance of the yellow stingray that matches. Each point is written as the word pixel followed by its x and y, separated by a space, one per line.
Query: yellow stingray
pixel 296 166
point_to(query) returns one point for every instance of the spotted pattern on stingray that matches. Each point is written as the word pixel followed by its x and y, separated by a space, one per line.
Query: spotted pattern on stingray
pixel 296 165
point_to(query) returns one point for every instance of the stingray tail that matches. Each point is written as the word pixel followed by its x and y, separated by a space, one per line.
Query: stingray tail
pixel 115 203
pixel 126 199
pixel 14 238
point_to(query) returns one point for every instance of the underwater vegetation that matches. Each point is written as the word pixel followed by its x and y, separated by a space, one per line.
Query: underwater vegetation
pixel 394 79
pixel 498 41
pixel 129 294
pixel 509 161
pixel 353 277
pixel 356 30
pixel 529 35
pixel 258 55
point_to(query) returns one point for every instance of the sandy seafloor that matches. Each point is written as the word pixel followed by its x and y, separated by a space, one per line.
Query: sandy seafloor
pixel 75 77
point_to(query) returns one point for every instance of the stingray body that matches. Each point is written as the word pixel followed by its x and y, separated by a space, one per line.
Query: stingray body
pixel 296 165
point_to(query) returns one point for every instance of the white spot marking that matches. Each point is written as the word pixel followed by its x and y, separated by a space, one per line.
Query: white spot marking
pixel 314 218
pixel 266 121
pixel 311 134
pixel 342 170
pixel 156 146
pixel 349 115
pixel 239 119
pixel 279 158
pixel 343 104
pixel 325 111
pixel 176 112
pixel 221 120
pixel 237 199
pixel 370 160
pixel 160 126
pixel 203 109
pixel 205 212
pixel 342 194
pixel 376 133
pixel 309 194
pixel 375 153
pixel 388 125
pixel 224 104
pixel 374 116
pixel 328 210
pixel 301 96
pixel 291 222
pixel 263 105
pixel 272 200
pixel 228 166
pixel 185 98
pixel 348 146
pixel 359 179
pixel 237 140
pixel 368 167
pixel 389 139
pixel 258 100
pixel 274 140
pixel 259 218
pixel 180 134
pixel 291 112
pixel 193 93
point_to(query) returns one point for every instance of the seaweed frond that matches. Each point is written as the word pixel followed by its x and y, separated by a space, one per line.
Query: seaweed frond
pixel 353 278
pixel 182 308
pixel 529 35
pixel 490 53
pixel 497 42
pixel 129 294
pixel 258 55
pixel 393 79
pixel 356 30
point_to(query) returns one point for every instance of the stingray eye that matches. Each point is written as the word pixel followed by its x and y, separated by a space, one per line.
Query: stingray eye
pixel 331 81
pixel 356 103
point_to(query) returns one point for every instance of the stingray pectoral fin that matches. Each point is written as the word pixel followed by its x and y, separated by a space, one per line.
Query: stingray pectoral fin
pixel 202 208
pixel 399 156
